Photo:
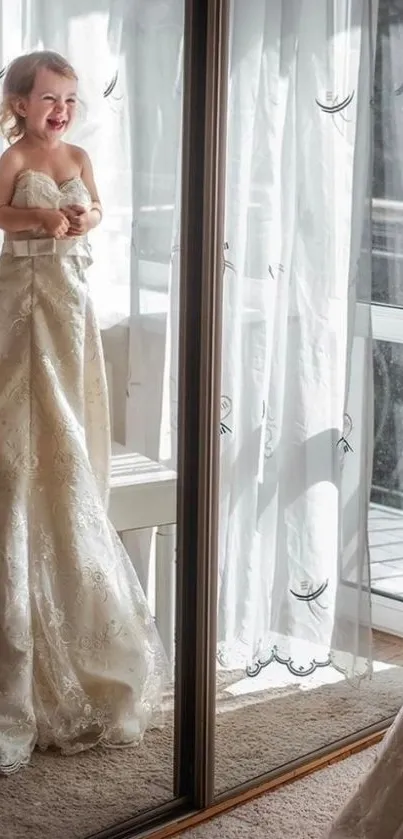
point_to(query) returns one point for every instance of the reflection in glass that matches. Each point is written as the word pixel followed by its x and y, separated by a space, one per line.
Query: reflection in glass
pixel 294 600
pixel 128 57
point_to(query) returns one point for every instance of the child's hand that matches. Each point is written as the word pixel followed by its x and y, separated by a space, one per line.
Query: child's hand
pixel 79 219
pixel 55 223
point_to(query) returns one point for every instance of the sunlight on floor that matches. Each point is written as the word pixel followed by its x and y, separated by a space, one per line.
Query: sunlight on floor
pixel 277 676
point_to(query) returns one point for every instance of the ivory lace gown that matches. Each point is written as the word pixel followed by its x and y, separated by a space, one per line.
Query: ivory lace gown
pixel 375 810
pixel 80 659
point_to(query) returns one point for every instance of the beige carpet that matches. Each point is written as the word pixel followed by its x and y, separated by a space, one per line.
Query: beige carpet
pixel 70 798
pixel 287 723
pixel 301 810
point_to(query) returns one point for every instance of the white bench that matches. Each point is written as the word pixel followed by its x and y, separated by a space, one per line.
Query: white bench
pixel 143 495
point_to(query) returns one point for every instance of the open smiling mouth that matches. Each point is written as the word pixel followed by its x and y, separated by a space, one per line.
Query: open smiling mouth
pixel 56 124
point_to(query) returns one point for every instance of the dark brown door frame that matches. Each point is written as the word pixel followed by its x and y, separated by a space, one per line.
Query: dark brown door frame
pixel 204 141
pixel 206 42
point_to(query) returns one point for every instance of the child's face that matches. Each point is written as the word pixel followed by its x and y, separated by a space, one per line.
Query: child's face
pixel 50 108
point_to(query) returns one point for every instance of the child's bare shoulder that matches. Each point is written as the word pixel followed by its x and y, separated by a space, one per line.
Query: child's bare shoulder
pixel 13 155
pixel 12 160
pixel 77 154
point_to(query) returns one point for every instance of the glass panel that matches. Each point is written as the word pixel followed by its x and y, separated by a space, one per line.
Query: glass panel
pixel 294 598
pixel 387 278
pixel 386 516
pixel 386 513
pixel 109 679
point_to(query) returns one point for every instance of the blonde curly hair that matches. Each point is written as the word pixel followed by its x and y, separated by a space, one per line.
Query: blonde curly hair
pixel 19 81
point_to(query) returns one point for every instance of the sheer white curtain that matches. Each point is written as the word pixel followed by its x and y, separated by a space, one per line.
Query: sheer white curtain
pixel 293 550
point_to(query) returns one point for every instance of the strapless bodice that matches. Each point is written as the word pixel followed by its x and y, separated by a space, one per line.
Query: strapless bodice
pixel 37 189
